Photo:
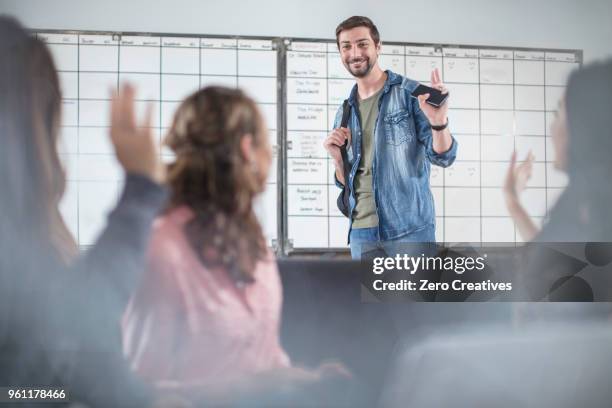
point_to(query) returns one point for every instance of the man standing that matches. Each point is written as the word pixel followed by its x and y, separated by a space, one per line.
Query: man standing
pixel 392 139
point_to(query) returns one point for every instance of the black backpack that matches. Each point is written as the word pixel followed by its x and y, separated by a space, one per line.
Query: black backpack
pixel 343 197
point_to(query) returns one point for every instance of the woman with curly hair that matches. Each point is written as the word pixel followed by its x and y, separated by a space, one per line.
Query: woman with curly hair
pixel 207 313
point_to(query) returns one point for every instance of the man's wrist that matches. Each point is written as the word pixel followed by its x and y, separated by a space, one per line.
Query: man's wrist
pixel 439 127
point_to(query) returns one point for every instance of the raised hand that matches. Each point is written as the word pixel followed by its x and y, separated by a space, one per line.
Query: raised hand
pixel 436 116
pixel 518 176
pixel 134 144
pixel 516 181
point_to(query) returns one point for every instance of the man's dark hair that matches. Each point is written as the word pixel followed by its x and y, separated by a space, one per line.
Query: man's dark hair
pixel 358 21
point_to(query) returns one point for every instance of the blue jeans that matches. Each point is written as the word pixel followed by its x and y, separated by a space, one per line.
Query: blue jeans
pixel 366 244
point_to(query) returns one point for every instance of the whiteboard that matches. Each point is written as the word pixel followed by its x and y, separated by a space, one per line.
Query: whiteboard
pixel 501 99
pixel 165 69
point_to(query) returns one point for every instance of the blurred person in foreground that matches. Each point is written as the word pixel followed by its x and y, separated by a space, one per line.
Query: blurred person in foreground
pixel 60 310
pixel 582 142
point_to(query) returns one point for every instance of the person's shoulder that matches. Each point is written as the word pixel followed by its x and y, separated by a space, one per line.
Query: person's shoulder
pixel 402 87
pixel 270 259
pixel 267 265
pixel 268 276
pixel 408 84
pixel 173 219
pixel 168 232
pixel 401 81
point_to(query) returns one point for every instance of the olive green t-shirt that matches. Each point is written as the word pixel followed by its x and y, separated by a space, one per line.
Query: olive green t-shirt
pixel 364 214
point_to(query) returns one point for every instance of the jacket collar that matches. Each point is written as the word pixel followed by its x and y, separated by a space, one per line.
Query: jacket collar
pixel 392 79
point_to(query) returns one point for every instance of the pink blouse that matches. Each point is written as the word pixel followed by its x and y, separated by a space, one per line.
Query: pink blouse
pixel 187 323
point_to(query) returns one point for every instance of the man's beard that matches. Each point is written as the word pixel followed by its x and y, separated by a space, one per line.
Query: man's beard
pixel 363 70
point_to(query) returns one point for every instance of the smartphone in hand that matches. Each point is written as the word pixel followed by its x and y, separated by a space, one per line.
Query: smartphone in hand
pixel 436 97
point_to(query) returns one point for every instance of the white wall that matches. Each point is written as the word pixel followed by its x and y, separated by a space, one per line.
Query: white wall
pixel 522 23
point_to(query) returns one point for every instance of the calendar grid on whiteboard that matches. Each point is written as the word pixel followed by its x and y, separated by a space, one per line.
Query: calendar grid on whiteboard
pixel 89 160
pixel 489 180
pixel 94 177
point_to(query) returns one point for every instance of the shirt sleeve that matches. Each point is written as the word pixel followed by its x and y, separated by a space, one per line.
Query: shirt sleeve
pixel 338 183
pixel 337 120
pixel 338 117
pixel 425 136
pixel 112 267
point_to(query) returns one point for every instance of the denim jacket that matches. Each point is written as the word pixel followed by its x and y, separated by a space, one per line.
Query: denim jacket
pixel 403 151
